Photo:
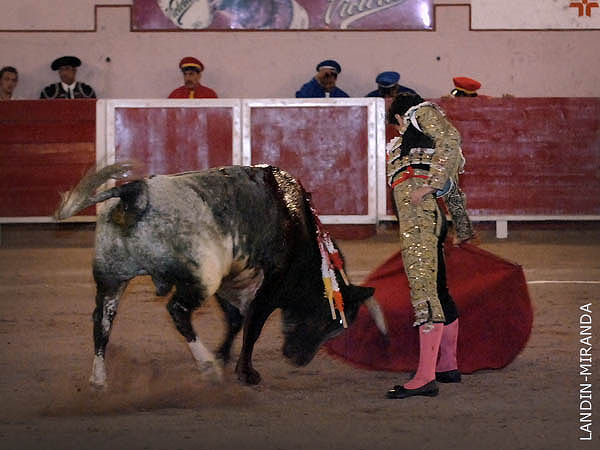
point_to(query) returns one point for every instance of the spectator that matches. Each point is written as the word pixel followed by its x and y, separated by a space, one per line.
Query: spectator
pixel 323 83
pixel 465 87
pixel 192 70
pixel 387 85
pixel 68 87
pixel 9 77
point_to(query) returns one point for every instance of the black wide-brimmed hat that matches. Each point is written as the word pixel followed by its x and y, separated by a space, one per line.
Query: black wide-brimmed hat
pixel 72 61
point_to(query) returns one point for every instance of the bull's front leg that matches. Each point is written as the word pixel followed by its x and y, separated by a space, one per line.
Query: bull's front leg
pixel 181 305
pixel 255 320
pixel 108 293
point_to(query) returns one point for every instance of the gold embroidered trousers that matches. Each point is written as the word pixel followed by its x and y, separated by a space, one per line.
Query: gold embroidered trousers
pixel 420 228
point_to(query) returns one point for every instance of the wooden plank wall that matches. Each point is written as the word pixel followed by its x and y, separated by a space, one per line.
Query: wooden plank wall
pixel 172 140
pixel 326 148
pixel 528 156
pixel 525 156
pixel 45 148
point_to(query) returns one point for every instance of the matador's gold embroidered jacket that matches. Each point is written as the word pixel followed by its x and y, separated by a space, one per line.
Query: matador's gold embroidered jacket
pixel 430 160
pixel 445 160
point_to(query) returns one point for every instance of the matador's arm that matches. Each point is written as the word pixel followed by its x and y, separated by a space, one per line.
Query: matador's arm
pixel 446 159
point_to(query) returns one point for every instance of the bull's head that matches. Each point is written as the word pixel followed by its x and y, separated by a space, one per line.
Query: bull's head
pixel 306 328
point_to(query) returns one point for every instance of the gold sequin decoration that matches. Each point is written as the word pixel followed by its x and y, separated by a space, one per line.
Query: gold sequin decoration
pixel 447 157
pixel 419 228
pixel 457 207
pixel 292 194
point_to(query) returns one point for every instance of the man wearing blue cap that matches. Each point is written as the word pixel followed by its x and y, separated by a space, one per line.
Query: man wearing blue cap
pixel 323 83
pixel 387 85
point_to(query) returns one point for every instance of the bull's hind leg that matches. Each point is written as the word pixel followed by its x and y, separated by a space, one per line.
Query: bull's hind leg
pixel 182 304
pixel 235 320
pixel 108 294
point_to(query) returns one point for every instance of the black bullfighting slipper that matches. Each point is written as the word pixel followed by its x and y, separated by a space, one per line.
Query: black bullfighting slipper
pixel 450 376
pixel 428 390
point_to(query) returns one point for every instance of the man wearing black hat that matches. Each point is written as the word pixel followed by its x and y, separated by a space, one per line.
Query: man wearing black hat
pixel 67 88
pixel 323 83
pixel 387 85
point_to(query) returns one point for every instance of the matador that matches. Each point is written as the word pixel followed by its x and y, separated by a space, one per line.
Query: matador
pixel 423 163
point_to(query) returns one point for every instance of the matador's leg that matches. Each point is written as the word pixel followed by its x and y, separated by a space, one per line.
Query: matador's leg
pixel 419 228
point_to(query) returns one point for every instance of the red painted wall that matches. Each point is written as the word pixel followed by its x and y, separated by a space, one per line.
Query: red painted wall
pixel 45 148
pixel 525 156
pixel 528 156
pixel 324 147
pixel 171 140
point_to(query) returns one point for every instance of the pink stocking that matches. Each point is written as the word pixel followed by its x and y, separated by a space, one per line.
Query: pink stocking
pixel 447 359
pixel 429 344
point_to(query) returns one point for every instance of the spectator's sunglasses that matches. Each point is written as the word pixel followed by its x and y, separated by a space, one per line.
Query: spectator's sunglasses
pixel 330 75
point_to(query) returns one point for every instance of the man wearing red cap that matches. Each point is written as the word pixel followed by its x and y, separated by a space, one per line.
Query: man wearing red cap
pixel 465 87
pixel 192 72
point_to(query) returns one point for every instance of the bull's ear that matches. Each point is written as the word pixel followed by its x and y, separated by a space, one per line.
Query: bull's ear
pixel 359 294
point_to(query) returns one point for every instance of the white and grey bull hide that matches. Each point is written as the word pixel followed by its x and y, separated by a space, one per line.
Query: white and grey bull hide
pixel 243 234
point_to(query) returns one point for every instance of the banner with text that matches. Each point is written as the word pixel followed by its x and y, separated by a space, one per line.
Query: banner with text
pixel 213 15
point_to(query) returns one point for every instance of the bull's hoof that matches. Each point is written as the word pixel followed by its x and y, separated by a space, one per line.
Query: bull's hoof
pixel 98 376
pixel 212 371
pixel 223 355
pixel 96 385
pixel 248 376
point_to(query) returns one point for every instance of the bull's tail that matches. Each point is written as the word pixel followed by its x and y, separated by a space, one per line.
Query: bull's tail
pixel 83 195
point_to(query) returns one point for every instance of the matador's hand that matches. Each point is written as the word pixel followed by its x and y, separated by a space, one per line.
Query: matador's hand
pixel 416 196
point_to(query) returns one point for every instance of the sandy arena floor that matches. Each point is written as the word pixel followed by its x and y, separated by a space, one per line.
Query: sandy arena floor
pixel 156 399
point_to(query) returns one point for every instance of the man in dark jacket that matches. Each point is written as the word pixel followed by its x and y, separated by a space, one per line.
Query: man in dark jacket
pixel 323 83
pixel 67 87
pixel 387 85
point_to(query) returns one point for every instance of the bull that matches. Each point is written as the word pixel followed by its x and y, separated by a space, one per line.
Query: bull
pixel 247 235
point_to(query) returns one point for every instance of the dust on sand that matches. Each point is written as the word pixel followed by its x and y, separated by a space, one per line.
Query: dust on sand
pixel 157 400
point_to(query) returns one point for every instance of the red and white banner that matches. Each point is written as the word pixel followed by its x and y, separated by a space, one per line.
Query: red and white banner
pixel 535 14
pixel 283 14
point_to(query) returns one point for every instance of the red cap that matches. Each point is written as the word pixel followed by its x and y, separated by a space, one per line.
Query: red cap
pixel 189 62
pixel 469 85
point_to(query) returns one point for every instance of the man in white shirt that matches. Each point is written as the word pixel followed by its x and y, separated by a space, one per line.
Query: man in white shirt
pixel 68 87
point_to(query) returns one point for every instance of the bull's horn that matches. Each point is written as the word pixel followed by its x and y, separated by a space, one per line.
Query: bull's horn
pixel 377 314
